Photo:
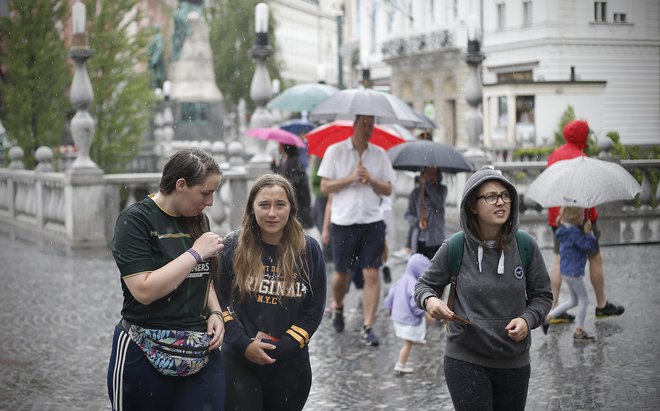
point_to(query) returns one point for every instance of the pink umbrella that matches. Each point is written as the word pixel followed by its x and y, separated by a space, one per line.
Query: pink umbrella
pixel 276 134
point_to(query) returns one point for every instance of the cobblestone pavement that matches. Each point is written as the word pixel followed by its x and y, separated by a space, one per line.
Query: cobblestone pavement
pixel 57 312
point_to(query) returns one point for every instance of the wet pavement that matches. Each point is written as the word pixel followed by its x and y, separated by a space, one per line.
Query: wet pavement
pixel 58 310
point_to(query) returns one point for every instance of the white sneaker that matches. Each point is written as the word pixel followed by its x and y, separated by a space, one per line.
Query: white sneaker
pixel 402 369
pixel 402 254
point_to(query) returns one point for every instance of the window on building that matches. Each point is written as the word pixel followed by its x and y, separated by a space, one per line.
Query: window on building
pixel 502 112
pixel 515 76
pixel 600 11
pixel 195 112
pixel 527 13
pixel 525 118
pixel 620 18
pixel 501 14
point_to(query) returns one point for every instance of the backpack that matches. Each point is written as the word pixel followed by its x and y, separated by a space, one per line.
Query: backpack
pixel 455 256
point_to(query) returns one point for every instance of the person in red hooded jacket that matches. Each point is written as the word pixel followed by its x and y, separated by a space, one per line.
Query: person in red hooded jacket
pixel 576 134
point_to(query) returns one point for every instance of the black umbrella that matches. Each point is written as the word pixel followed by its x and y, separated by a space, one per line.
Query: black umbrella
pixel 417 155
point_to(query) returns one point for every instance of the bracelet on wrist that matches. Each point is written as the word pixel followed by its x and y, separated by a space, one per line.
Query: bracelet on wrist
pixel 195 254
pixel 219 314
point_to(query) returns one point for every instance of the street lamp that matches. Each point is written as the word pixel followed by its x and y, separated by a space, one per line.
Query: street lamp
pixel 82 123
pixel 474 121
pixel 260 87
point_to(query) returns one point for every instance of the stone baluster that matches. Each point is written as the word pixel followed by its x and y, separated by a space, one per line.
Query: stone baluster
pixel 16 155
pixel 44 157
pixel 235 151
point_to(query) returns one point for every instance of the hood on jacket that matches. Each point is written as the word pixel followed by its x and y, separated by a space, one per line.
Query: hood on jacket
pixel 577 132
pixel 417 264
pixel 479 177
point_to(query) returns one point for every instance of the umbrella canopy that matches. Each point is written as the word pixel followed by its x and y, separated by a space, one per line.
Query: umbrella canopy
pixel 420 154
pixel 276 134
pixel 386 107
pixel 319 139
pixel 297 126
pixel 582 182
pixel 425 122
pixel 302 97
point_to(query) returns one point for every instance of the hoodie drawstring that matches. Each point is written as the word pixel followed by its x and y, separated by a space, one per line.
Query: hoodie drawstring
pixel 480 257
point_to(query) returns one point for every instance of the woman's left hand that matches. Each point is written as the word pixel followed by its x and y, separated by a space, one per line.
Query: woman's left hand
pixel 216 328
pixel 517 329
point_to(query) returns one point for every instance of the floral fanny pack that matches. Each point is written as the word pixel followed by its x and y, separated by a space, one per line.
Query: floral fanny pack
pixel 177 353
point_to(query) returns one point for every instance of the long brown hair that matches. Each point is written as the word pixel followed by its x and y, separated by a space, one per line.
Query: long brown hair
pixel 194 166
pixel 247 264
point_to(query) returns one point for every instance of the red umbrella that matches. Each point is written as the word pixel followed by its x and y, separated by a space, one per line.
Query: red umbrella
pixel 319 139
pixel 276 134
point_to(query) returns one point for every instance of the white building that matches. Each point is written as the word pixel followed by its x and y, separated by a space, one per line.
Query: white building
pixel 307 39
pixel 416 48
pixel 601 57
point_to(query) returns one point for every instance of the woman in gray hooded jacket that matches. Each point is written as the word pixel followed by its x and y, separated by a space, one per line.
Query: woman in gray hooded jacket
pixel 487 361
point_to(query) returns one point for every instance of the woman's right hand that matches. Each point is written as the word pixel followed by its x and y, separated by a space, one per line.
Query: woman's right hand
pixel 438 309
pixel 256 354
pixel 208 244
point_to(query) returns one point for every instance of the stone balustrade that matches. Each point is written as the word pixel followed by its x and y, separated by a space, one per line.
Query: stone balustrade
pixel 38 206
pixel 41 205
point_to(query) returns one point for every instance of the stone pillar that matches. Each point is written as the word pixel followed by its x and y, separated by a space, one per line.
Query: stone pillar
pixel 84 192
pixel 260 90
pixel 474 122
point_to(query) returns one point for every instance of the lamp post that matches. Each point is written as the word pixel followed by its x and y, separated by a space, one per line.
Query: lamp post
pixel 82 123
pixel 474 121
pixel 260 87
pixel 84 189
pixel 167 130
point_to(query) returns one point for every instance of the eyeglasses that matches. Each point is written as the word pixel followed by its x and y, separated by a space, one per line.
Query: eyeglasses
pixel 491 198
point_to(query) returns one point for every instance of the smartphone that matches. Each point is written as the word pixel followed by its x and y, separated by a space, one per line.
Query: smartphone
pixel 461 319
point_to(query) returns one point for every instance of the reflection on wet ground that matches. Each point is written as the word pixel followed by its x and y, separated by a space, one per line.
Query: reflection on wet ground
pixel 57 312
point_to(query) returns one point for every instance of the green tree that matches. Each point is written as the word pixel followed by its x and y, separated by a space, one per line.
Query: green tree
pixel 567 116
pixel 122 95
pixel 231 25
pixel 34 91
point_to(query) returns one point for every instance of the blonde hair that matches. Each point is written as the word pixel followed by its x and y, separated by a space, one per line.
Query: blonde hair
pixel 572 215
pixel 247 264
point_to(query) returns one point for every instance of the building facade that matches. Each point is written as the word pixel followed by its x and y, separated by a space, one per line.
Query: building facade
pixel 307 39
pixel 600 57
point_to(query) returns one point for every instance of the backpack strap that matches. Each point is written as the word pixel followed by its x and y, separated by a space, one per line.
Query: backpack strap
pixel 455 257
pixel 524 241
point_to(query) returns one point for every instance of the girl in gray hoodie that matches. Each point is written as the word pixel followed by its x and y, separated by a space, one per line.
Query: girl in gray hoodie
pixel 487 361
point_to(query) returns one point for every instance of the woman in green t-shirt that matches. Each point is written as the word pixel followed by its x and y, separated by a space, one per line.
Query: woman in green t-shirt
pixel 165 348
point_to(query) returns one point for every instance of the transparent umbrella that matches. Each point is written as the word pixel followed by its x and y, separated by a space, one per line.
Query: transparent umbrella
pixel 385 107
pixel 302 97
pixel 582 182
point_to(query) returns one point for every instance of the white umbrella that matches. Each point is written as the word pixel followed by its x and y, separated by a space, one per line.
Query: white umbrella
pixel 582 182
pixel 385 107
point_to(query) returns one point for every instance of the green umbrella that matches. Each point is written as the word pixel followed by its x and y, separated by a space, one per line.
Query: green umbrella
pixel 302 97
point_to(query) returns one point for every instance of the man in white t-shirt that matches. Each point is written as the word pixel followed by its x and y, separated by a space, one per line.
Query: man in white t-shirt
pixel 357 174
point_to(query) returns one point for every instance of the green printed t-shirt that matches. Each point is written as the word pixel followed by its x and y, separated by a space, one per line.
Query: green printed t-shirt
pixel 146 238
